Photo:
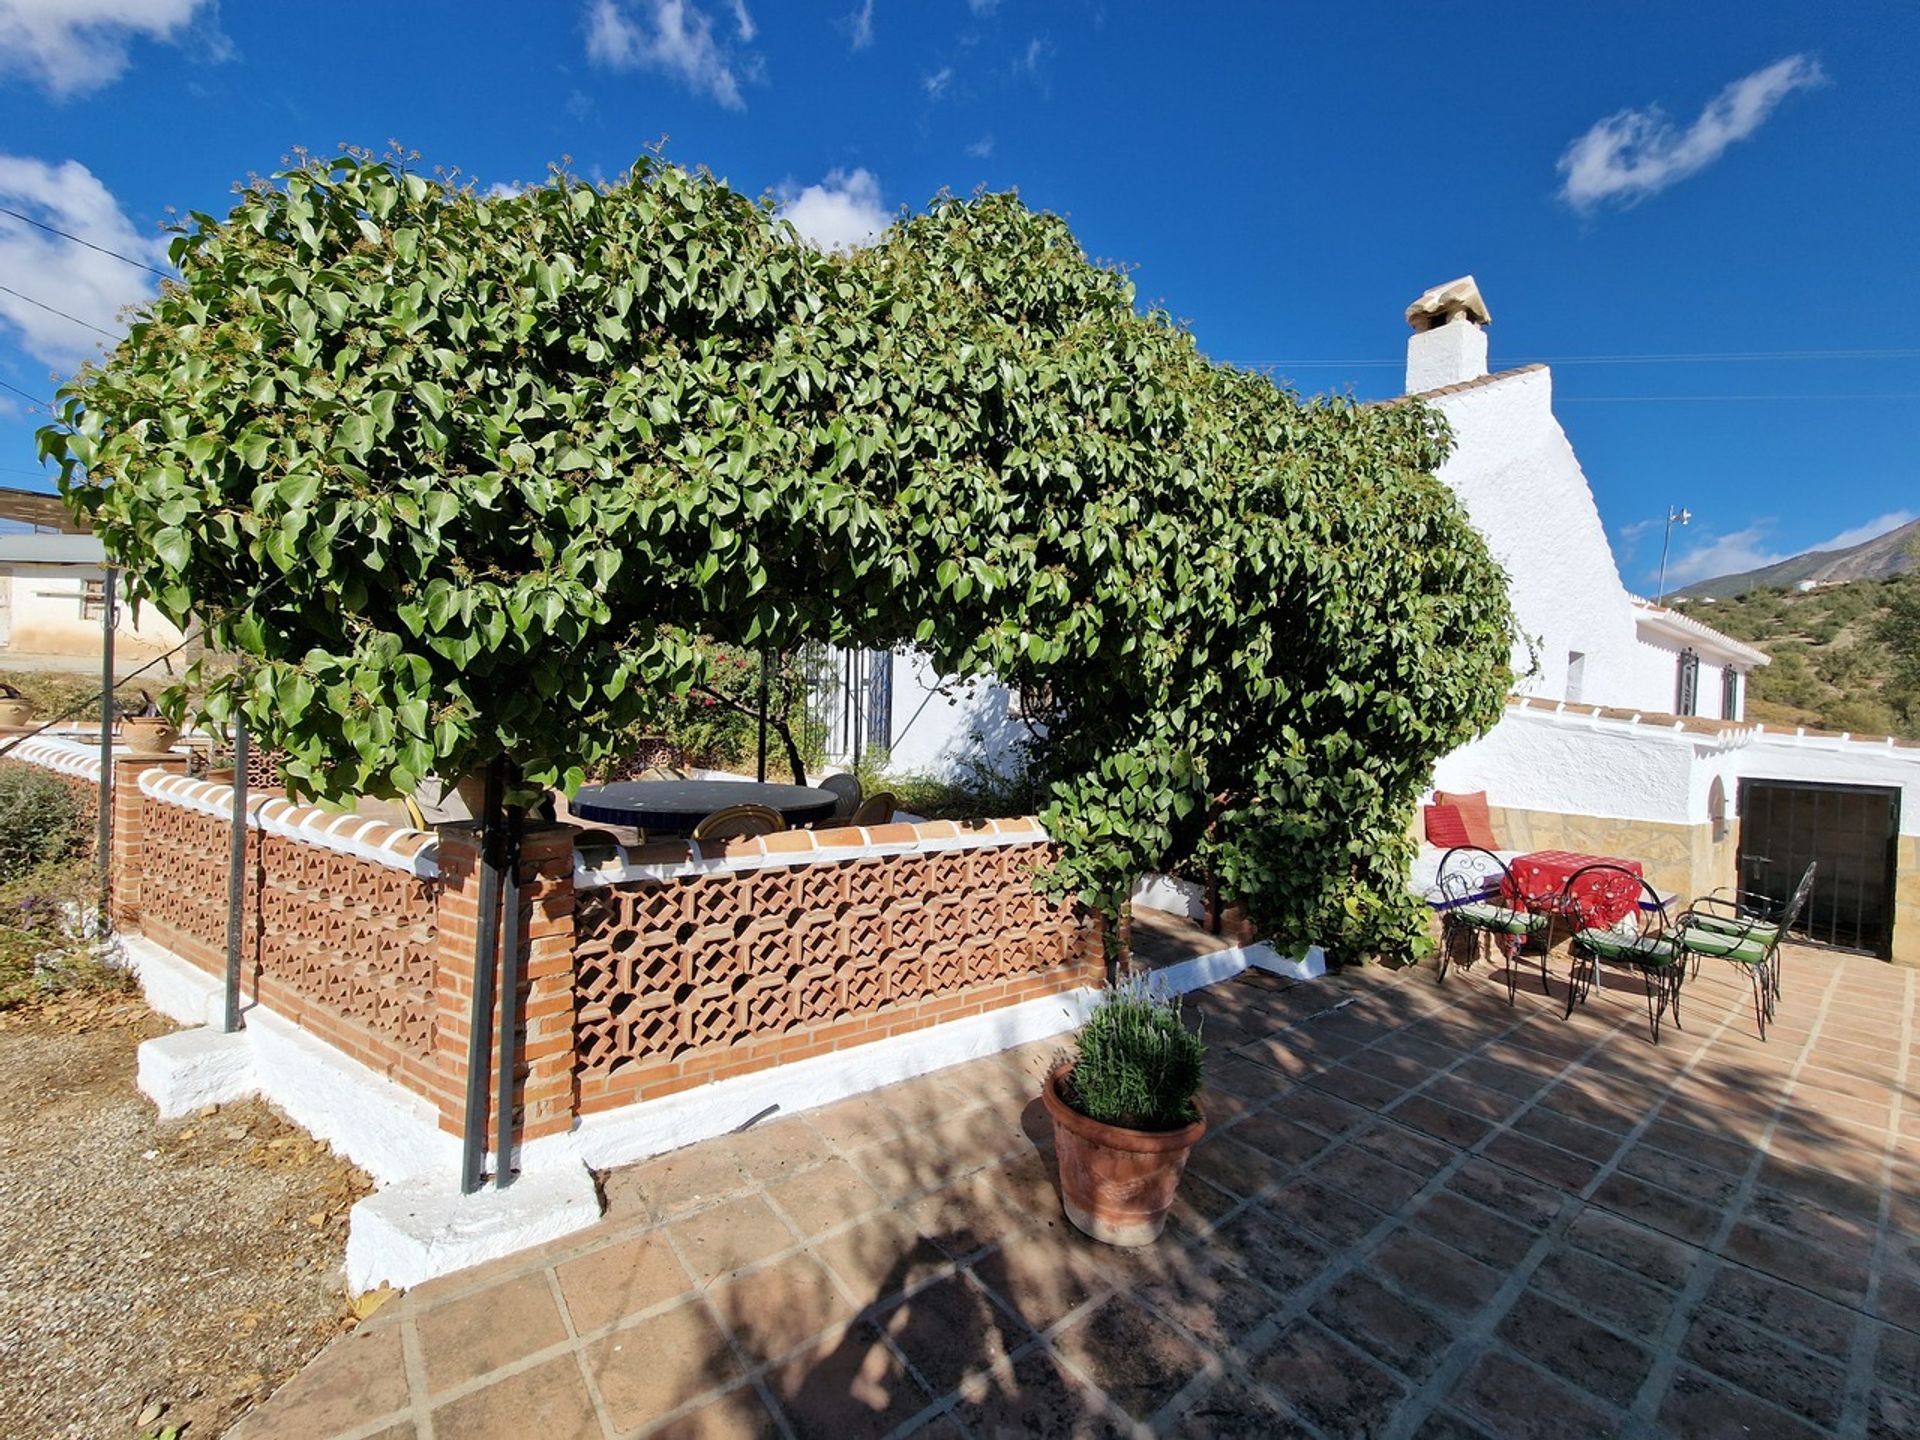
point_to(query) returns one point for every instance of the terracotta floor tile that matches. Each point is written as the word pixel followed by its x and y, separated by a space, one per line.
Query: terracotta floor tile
pixel 1573 1348
pixel 773 1150
pixel 1767 1366
pixel 779 1306
pixel 880 1256
pixel 621 1280
pixel 1698 1404
pixel 1137 1360
pixel 1034 1397
pixel 1366 1314
pixel 1331 1384
pixel 848 1385
pixel 1435 1273
pixel 825 1196
pixel 356 1378
pixel 671 1185
pixel 1232 1409
pixel 648 1369
pixel 1517 1402
pixel 950 1329
pixel 1041 1276
pixel 730 1235
pixel 969 1215
pixel 853 1124
pixel 1199 1287
pixel 550 1400
pixel 464 1339
pixel 739 1414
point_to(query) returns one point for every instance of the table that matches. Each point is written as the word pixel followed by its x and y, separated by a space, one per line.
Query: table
pixel 674 807
pixel 1603 900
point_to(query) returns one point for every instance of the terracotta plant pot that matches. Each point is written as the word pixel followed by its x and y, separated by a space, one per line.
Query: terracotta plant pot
pixel 1117 1184
pixel 15 713
pixel 149 734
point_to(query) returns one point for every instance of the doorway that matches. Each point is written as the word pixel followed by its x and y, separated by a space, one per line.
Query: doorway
pixel 1851 831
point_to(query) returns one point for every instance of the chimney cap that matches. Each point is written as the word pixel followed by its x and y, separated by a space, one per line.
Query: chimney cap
pixel 1455 300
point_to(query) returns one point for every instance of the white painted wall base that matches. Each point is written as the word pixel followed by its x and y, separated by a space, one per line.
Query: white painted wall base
pixel 418 1225
pixel 424 1227
pixel 192 1069
pixel 1310 966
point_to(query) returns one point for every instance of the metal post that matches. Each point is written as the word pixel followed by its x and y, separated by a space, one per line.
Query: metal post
pixel 763 715
pixel 104 837
pixel 1674 517
pixel 236 873
pixel 510 966
pixel 473 1132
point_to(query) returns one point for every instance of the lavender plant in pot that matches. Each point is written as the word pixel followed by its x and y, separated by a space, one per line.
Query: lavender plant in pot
pixel 1126 1114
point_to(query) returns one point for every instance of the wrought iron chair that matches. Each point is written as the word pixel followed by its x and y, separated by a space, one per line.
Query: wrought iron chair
pixel 847 793
pixel 1745 910
pixel 876 809
pixel 737 821
pixel 1753 945
pixel 1477 911
pixel 1639 938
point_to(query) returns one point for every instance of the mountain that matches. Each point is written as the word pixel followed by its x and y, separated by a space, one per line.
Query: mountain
pixel 1842 659
pixel 1893 553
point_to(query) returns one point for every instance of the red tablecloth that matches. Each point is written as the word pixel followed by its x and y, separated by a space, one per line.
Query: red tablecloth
pixel 1604 897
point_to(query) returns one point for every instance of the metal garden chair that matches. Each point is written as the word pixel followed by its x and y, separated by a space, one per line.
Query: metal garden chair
pixel 1639 938
pixel 737 821
pixel 1477 911
pixel 1744 911
pixel 1752 944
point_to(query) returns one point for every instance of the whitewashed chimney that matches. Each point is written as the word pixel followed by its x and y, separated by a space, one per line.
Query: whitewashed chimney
pixel 1448 344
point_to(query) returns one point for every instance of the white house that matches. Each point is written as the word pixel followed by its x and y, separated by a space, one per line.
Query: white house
pixel 1626 735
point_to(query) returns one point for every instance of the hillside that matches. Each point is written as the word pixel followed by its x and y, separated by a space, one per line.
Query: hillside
pixel 1845 656
pixel 1894 553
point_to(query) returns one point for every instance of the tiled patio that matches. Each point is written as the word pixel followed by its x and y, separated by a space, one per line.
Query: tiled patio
pixel 1420 1213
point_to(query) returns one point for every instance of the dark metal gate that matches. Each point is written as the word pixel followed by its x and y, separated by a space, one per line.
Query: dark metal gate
pixel 1851 830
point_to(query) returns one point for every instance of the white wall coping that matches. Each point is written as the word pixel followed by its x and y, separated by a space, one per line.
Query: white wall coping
pixel 348 834
pixel 619 868
pixel 56 752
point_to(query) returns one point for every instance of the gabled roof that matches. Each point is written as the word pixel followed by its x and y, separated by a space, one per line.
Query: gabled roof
pixel 1479 383
pixel 1685 627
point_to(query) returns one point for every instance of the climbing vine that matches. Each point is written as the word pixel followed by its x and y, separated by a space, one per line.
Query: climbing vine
pixel 464 475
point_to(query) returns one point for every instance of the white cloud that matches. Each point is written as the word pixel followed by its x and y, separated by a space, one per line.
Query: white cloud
pixel 673 37
pixel 72 46
pixel 938 82
pixel 1636 153
pixel 860 25
pixel 983 7
pixel 981 148
pixel 743 23
pixel 85 283
pixel 1032 58
pixel 841 212
pixel 1748 548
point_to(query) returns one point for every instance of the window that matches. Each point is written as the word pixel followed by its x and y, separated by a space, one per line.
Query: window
pixel 1576 674
pixel 93 599
pixel 1686 699
pixel 1729 694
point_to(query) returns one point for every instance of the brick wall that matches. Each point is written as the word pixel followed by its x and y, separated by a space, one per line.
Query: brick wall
pixel 693 968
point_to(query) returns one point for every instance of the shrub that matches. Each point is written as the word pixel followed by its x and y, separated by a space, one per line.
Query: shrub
pixel 1137 1065
pixel 39 819
pixel 46 917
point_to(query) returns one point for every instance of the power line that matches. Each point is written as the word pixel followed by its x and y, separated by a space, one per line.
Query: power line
pixel 54 230
pixel 1870 395
pixel 27 395
pixel 1701 357
pixel 86 324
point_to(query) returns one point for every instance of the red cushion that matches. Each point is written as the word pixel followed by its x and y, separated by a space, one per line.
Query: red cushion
pixel 1446 826
pixel 1472 806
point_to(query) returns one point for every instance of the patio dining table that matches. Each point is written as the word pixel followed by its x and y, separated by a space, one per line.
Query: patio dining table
pixel 674 807
pixel 1540 877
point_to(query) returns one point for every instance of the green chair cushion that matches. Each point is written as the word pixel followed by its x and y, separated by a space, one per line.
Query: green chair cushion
pixel 1727 947
pixel 1654 951
pixel 1727 925
pixel 1485 915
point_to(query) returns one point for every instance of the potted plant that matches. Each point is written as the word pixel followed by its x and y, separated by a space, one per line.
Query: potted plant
pixel 15 708
pixel 149 732
pixel 1126 1114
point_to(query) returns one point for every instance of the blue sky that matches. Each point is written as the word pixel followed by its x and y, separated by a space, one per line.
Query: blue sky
pixel 1623 180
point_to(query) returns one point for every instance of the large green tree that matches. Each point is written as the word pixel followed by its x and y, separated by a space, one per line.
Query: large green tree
pixel 461 476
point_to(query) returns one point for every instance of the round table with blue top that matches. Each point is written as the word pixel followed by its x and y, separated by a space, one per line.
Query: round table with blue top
pixel 674 807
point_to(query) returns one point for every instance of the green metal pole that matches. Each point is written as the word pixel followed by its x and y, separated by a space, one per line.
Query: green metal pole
pixel 104 838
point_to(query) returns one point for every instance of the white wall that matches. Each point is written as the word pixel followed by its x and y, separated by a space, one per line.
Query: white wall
pixel 946 729
pixel 43 617
pixel 1523 488
pixel 1578 765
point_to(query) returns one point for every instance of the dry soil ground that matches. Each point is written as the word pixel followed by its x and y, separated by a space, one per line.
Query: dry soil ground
pixel 154 1277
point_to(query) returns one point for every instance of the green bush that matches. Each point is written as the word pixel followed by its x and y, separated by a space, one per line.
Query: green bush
pixel 1137 1065
pixel 45 916
pixel 39 819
